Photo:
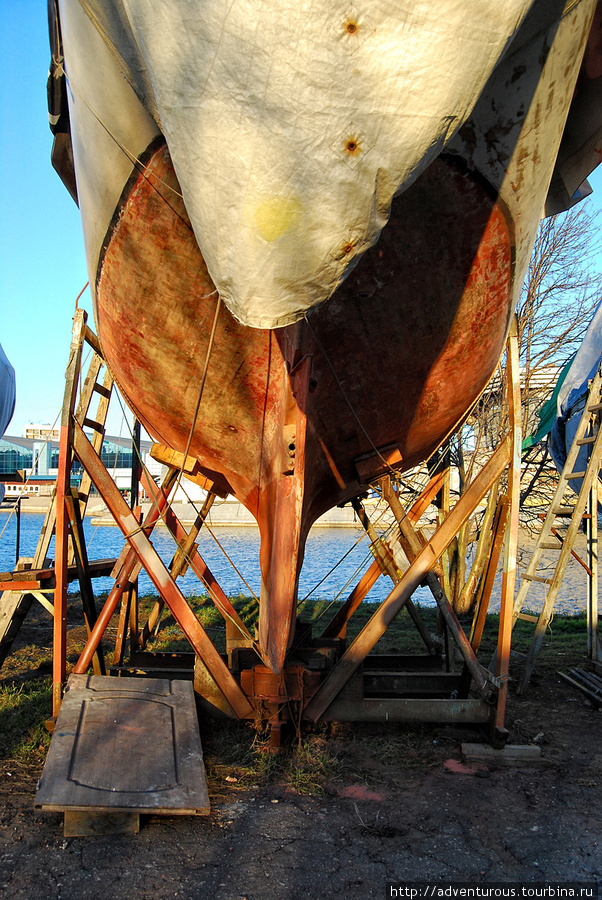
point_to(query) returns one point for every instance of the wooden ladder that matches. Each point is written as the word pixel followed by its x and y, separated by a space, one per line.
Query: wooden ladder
pixel 589 433
pixel 14 605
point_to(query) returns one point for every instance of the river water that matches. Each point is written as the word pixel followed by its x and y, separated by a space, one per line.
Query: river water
pixel 325 548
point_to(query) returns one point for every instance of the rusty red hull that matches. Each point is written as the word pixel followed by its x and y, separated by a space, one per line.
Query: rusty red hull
pixel 295 420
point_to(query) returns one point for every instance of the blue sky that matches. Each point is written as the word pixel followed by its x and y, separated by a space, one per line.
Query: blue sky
pixel 42 266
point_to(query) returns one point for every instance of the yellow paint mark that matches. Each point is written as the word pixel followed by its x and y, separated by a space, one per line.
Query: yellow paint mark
pixel 274 216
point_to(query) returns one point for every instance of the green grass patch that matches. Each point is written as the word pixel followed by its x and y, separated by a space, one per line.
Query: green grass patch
pixel 24 708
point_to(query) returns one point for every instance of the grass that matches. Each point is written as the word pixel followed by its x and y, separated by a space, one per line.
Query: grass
pixel 237 756
pixel 23 710
pixel 234 754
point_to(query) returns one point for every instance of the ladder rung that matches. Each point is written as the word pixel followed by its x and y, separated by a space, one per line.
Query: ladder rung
pixel 93 341
pixel 537 578
pixel 575 475
pixel 564 511
pixel 587 440
pixel 551 545
pixel 527 618
pixel 595 407
pixel 102 390
pixel 95 426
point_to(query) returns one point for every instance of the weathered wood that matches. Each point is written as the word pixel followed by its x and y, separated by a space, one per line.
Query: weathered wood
pixel 130 563
pixel 83 574
pixel 338 625
pixel 189 466
pixel 104 391
pixel 125 744
pixel 413 546
pixel 14 606
pixel 179 566
pixel 204 574
pixel 371 465
pixel 593 640
pixel 488 579
pixel 122 627
pixel 158 573
pixel 416 573
pixel 408 710
pixel 511 548
pixel 61 527
pixel 593 468
pixel 384 555
pixel 95 824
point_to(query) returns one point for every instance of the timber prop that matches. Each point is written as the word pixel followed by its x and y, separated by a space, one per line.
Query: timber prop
pixel 323 677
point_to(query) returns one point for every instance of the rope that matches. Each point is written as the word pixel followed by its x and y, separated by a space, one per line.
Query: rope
pixel 230 560
pixel 135 160
pixel 200 397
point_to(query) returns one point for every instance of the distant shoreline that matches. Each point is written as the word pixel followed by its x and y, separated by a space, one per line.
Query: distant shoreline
pixel 228 513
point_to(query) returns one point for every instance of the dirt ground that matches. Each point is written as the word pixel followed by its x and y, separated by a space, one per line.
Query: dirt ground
pixel 395 804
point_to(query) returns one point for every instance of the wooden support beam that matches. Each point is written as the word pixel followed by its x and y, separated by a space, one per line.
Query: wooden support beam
pixel 83 573
pixel 337 627
pixel 194 559
pixel 123 572
pixel 511 549
pixel 159 575
pixel 488 579
pixel 593 640
pixel 385 555
pixel 203 572
pixel 63 485
pixel 417 572
pixel 191 468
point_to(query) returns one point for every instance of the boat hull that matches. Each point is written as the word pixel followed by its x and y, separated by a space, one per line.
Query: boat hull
pixel 369 377
pixel 294 420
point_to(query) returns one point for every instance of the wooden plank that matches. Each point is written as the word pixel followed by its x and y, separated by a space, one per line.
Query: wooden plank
pixel 421 566
pixel 125 745
pixel 63 482
pixel 370 465
pixel 408 710
pixel 125 573
pixel 338 626
pixel 14 606
pixel 80 823
pixel 158 574
pixel 190 467
pixel 511 546
pixel 22 585
pixel 83 573
pixel 412 544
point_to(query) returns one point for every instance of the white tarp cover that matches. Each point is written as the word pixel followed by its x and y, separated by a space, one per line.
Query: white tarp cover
pixel 572 398
pixel 291 125
pixel 7 391
pixel 584 366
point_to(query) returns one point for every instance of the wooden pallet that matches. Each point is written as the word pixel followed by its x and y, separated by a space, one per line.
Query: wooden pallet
pixel 122 747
